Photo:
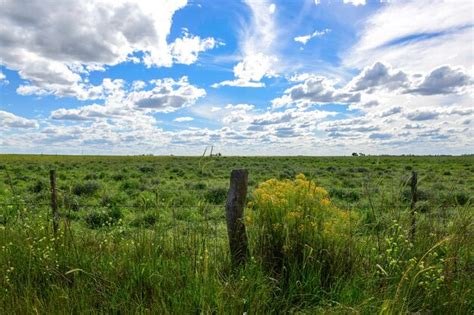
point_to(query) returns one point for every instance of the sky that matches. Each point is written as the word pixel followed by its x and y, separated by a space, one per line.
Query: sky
pixel 250 77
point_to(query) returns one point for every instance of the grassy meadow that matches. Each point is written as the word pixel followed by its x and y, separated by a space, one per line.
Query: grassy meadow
pixel 144 234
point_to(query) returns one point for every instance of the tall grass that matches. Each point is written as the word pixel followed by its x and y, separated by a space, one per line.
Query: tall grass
pixel 307 256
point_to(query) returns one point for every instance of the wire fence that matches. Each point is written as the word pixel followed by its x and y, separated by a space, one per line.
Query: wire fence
pixel 159 196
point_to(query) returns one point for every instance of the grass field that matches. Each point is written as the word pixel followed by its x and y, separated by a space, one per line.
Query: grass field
pixel 148 234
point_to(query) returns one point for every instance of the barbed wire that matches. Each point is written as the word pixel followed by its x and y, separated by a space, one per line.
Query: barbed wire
pixel 111 205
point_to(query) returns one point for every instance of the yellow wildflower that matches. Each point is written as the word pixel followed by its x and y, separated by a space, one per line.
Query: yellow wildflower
pixel 325 202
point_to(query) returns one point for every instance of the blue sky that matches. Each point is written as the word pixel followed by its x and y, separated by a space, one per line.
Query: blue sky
pixel 251 77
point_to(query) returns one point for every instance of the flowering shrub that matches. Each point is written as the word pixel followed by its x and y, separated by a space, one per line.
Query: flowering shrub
pixel 294 223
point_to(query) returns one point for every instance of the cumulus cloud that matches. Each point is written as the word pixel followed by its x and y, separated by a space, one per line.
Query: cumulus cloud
pixel 9 120
pixel 185 50
pixel 304 39
pixel 89 112
pixel 315 90
pixel 443 80
pixel 379 75
pixel 250 71
pixel 273 118
pixel 166 95
pixel 83 36
pixel 421 115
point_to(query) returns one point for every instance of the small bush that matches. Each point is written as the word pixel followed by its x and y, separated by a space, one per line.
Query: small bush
pixel 146 169
pixel 118 177
pixel 179 172
pixel 86 189
pixel 199 186
pixel 147 220
pixel 115 199
pixel 345 194
pixel 362 170
pixel 216 195
pixel 287 173
pixel 461 198
pixel 131 184
pixel 39 186
pixel 91 176
pixel 101 218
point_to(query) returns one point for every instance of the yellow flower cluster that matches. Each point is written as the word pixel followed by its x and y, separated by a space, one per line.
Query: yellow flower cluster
pixel 294 213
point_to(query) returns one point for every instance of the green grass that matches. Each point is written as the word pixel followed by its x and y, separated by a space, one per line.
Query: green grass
pixel 148 234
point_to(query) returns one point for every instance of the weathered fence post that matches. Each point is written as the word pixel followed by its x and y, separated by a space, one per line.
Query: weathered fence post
pixel 54 201
pixel 234 214
pixel 414 197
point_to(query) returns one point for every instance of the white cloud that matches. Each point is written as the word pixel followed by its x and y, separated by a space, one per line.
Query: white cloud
pixel 444 80
pixel 257 48
pixel 305 38
pixel 260 35
pixel 185 50
pixel 90 112
pixel 9 120
pixel 3 79
pixel 416 36
pixel 250 71
pixel 239 83
pixel 391 111
pixel 315 90
pixel 84 36
pixel 420 115
pixel 379 75
pixel 272 8
pixel 183 119
pixel 355 2
pixel 138 85
pixel 166 95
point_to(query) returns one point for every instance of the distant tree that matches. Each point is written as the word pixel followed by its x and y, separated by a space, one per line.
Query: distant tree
pixel 355 154
pixel 361 154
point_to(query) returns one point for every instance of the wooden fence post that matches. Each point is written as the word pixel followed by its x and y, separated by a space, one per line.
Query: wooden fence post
pixel 54 201
pixel 414 198
pixel 234 215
